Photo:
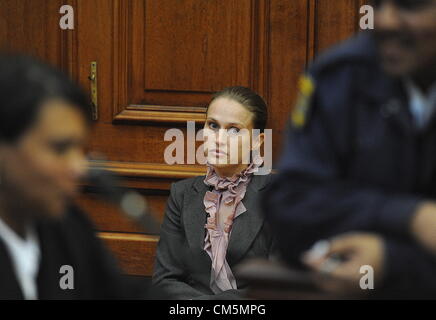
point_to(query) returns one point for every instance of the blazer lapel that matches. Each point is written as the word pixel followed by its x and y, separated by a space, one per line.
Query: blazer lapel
pixel 194 214
pixel 246 226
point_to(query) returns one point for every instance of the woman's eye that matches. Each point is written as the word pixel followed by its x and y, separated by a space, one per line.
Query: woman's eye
pixel 213 125
pixel 233 130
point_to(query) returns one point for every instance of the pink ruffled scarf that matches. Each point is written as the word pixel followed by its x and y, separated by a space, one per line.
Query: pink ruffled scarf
pixel 228 192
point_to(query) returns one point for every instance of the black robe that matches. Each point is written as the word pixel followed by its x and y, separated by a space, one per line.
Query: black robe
pixel 70 241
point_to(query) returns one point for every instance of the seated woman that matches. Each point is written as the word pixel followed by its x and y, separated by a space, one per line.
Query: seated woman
pixel 213 222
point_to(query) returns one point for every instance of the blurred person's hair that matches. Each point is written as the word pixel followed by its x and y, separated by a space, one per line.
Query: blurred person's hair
pixel 250 100
pixel 25 85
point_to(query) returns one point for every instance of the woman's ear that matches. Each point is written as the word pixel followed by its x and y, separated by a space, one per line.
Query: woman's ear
pixel 258 141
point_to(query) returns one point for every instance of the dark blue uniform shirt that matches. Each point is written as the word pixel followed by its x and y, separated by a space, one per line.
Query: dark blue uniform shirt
pixel 357 163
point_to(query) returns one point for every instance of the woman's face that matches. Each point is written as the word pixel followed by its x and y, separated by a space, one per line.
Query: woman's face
pixel 228 133
pixel 41 171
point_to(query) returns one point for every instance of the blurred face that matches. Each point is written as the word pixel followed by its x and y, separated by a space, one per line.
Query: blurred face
pixel 228 134
pixel 405 31
pixel 41 170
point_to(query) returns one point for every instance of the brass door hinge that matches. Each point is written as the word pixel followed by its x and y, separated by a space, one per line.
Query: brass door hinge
pixel 94 91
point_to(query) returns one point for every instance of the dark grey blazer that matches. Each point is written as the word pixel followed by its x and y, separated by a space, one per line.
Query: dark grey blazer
pixel 182 267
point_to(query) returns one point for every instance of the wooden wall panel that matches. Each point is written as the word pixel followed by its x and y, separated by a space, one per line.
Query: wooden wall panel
pixel 331 22
pixel 135 252
pixel 197 46
pixel 286 60
pixel 168 64
pixel 33 27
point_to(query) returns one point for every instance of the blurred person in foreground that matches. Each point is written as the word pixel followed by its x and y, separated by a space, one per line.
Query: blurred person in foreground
pixel 359 164
pixel 44 123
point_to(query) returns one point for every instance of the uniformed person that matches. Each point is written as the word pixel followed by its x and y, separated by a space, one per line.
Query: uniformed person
pixel 359 162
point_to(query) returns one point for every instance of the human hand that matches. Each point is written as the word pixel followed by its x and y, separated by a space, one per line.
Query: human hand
pixel 338 261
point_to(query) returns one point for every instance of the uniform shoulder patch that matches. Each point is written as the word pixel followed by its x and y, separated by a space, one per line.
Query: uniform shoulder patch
pixel 306 88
